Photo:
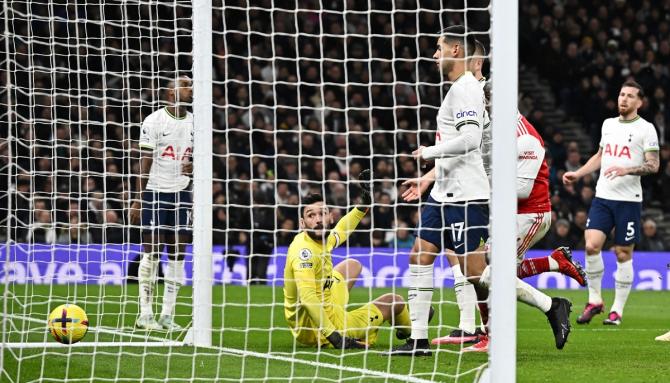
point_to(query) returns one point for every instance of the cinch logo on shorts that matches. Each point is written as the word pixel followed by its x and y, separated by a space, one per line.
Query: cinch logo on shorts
pixel 467 113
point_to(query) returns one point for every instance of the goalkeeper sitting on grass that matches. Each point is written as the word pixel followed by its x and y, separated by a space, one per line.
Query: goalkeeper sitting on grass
pixel 316 293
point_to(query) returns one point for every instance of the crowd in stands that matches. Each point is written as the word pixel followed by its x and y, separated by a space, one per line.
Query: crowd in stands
pixel 301 108
pixel 586 50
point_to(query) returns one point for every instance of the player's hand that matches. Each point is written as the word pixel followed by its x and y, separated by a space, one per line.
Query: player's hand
pixel 187 168
pixel 615 171
pixel 343 343
pixel 569 177
pixel 365 188
pixel 417 154
pixel 135 210
pixel 415 188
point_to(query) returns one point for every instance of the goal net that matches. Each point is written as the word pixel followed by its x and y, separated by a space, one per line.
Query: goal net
pixel 305 95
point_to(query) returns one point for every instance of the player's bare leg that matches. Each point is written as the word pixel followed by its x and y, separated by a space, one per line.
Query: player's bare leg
pixel 623 279
pixel 174 278
pixel 595 239
pixel 350 270
pixel 147 279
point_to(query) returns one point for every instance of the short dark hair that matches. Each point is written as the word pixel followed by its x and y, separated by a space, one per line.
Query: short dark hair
pixel 308 200
pixel 636 85
pixel 458 33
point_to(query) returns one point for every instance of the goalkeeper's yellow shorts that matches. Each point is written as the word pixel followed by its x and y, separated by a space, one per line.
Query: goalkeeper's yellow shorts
pixel 362 323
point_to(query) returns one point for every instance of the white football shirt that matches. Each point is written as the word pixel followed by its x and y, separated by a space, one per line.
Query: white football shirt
pixel 171 140
pixel 461 178
pixel 624 143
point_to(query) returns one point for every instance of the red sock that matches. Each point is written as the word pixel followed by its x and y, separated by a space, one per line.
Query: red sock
pixel 532 266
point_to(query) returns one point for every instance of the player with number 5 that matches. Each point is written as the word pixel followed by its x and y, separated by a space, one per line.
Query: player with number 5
pixel 628 150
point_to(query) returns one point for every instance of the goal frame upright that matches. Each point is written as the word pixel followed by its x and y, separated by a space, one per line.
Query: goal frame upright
pixel 504 71
pixel 202 173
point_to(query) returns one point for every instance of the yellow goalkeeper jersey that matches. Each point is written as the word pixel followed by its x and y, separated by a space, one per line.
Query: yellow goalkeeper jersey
pixel 308 278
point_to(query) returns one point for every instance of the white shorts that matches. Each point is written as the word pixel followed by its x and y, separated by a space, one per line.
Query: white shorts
pixel 530 229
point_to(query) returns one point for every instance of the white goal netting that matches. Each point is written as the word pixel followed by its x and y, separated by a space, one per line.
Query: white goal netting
pixel 306 94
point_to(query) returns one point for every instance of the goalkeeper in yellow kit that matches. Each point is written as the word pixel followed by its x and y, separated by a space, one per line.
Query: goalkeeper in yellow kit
pixel 316 293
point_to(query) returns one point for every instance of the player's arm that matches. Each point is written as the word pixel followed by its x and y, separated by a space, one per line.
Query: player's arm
pixel 348 223
pixel 345 227
pixel 651 161
pixel 590 166
pixel 306 283
pixel 467 141
pixel 530 156
pixel 417 186
pixel 148 143
pixel 468 112
pixel 650 166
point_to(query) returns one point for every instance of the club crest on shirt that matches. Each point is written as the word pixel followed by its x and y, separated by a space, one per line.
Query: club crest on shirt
pixel 305 254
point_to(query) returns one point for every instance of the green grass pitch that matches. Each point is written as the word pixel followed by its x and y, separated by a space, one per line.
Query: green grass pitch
pixel 594 353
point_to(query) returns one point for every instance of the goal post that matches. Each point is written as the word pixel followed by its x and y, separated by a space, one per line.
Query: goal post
pixel 202 173
pixel 504 70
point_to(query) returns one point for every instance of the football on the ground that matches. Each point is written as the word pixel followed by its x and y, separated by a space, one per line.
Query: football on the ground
pixel 68 323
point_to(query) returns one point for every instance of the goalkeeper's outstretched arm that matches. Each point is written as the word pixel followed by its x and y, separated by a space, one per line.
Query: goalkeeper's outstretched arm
pixel 350 221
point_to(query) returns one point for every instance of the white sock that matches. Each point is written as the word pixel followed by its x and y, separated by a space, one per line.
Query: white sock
pixel 146 279
pixel 532 296
pixel 466 298
pixel 553 265
pixel 623 279
pixel 594 272
pixel 419 298
pixel 174 278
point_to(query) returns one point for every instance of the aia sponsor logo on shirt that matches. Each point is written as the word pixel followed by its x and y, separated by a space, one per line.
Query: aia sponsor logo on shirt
pixel 617 151
pixel 173 152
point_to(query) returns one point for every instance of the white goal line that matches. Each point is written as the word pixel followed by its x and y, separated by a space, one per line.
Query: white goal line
pixel 153 341
pixel 148 340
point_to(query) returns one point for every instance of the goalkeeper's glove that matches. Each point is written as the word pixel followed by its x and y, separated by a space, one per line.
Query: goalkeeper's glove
pixel 342 342
pixel 365 188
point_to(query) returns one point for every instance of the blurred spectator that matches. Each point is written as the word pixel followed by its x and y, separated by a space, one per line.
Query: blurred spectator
pixel 114 231
pixel 650 240
pixel 42 230
pixel 404 239
pixel 560 236
pixel 75 233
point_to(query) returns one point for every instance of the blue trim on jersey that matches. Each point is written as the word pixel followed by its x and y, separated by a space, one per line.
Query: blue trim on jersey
pixel 458 226
pixel 163 211
pixel 622 216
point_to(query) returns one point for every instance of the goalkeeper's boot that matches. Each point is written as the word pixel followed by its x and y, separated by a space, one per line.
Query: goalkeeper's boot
pixel 147 322
pixel 413 347
pixel 664 338
pixel 567 266
pixel 591 310
pixel 457 336
pixel 613 319
pixel 404 333
pixel 481 346
pixel 559 319
pixel 167 323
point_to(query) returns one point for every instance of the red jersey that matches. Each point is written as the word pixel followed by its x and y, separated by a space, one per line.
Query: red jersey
pixel 532 165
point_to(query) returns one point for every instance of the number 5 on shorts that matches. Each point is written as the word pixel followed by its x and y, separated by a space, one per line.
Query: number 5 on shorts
pixel 630 231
